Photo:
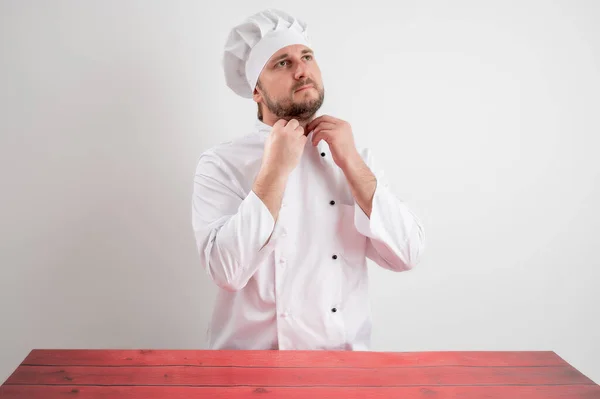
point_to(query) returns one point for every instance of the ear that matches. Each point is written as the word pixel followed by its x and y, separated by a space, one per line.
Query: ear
pixel 257 96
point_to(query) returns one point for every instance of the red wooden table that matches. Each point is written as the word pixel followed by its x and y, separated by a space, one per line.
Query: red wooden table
pixel 154 374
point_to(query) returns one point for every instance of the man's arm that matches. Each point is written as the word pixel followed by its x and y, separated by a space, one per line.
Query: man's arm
pixel 269 186
pixel 231 231
pixel 235 234
pixel 395 235
pixel 362 182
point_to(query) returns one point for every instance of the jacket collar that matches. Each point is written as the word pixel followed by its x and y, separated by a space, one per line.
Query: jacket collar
pixel 262 128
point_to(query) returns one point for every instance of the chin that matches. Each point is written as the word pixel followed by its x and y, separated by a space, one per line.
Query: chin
pixel 307 98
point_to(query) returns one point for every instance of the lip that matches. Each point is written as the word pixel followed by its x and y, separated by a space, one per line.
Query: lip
pixel 304 87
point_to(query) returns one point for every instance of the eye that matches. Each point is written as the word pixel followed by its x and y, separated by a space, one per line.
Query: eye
pixel 308 57
pixel 282 63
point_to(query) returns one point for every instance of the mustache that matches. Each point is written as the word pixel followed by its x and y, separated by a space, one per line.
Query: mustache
pixel 304 83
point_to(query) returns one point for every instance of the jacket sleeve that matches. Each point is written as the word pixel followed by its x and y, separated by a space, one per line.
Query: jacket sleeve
pixel 395 234
pixel 231 228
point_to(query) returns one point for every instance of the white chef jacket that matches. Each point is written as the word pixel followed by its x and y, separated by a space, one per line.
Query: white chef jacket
pixel 307 288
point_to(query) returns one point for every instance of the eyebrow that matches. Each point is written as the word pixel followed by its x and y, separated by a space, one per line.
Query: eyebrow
pixel 283 56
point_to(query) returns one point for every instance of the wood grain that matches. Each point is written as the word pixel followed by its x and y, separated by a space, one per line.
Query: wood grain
pixel 161 392
pixel 153 374
pixel 99 357
pixel 282 377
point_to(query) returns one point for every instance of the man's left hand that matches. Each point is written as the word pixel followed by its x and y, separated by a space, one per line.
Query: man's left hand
pixel 338 134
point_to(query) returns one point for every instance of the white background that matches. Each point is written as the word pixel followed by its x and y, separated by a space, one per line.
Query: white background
pixel 483 114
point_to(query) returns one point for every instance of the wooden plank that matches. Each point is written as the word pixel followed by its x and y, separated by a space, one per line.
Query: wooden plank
pixel 256 376
pixel 97 357
pixel 426 392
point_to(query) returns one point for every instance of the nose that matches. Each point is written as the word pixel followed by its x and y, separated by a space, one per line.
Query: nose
pixel 300 72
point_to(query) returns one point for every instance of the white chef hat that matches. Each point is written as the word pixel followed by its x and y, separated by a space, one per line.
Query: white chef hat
pixel 251 44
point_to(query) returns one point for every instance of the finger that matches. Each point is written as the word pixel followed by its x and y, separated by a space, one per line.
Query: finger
pixel 321 135
pixel 292 124
pixel 324 125
pixel 280 123
pixel 323 118
pixel 331 123
pixel 315 122
pixel 315 139
pixel 299 131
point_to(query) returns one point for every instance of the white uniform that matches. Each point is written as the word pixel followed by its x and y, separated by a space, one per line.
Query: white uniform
pixel 308 287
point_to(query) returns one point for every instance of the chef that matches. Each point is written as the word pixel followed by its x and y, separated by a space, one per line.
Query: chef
pixel 286 215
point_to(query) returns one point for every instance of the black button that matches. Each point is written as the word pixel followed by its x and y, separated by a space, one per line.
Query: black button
pixel 322 154
pixel 334 256
pixel 334 310
pixel 332 202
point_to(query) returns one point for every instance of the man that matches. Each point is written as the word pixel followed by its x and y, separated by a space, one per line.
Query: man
pixel 285 217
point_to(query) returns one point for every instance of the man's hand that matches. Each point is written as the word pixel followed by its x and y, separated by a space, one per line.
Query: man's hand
pixel 284 147
pixel 338 134
pixel 283 150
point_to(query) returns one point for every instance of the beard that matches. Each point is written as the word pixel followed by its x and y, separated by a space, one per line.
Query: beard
pixel 289 109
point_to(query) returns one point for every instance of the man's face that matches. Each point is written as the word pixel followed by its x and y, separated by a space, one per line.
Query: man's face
pixel 290 84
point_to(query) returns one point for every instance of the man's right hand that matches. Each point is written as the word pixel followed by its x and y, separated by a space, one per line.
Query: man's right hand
pixel 283 150
pixel 284 147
